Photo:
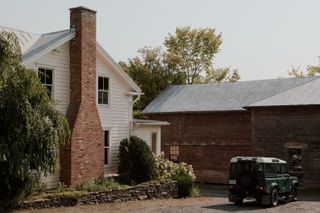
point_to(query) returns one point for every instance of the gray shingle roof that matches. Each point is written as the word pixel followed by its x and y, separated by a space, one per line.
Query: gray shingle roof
pixel 305 94
pixel 224 96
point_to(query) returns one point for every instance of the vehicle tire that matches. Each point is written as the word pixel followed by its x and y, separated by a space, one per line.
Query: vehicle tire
pixel 274 197
pixel 239 201
pixel 294 193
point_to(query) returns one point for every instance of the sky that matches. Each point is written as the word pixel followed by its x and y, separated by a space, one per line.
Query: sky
pixel 261 38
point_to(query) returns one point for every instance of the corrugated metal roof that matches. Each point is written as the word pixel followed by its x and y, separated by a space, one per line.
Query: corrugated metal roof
pixel 32 43
pixel 306 94
pixel 224 96
pixel 26 39
pixel 45 41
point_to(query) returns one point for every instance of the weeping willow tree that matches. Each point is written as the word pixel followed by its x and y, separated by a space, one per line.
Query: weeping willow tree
pixel 31 129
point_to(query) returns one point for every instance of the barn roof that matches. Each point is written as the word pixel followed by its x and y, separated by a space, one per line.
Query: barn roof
pixel 224 96
pixel 305 94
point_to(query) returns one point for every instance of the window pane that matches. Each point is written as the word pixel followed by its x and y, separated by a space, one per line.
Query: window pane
pixel 106 155
pixel 105 97
pixel 48 76
pixel 106 83
pixel 99 97
pixel 100 83
pixel 106 138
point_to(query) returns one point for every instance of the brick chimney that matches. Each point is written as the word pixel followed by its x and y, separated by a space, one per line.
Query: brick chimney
pixel 83 158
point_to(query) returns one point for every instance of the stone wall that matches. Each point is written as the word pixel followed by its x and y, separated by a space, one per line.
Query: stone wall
pixel 207 141
pixel 164 190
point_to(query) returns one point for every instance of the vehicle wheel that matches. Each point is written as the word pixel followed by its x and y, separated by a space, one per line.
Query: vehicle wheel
pixel 294 193
pixel 274 197
pixel 239 201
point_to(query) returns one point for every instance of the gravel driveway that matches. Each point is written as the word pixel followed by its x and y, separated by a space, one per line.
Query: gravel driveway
pixel 213 200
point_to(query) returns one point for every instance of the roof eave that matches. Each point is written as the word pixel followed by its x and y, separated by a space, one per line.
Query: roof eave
pixel 63 40
pixel 117 67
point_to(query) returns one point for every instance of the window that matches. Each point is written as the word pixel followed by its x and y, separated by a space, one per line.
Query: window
pixel 103 90
pixel 106 147
pixel 154 142
pixel 45 76
pixel 174 153
pixel 284 169
pixel 270 170
pixel 295 160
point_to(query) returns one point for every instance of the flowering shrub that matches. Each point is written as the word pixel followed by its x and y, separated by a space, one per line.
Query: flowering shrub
pixel 167 169
pixel 180 172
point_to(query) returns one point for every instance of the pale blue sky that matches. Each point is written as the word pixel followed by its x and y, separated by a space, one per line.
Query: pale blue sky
pixel 261 38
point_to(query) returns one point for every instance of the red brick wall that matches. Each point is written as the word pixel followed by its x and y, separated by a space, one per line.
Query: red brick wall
pixel 83 159
pixel 278 128
pixel 207 141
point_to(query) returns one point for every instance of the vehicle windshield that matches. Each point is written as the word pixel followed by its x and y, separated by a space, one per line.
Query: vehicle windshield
pixel 240 166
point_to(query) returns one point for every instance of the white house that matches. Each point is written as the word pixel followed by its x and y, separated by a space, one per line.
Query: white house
pixel 78 70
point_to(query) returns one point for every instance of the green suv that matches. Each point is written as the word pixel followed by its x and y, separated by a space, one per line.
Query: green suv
pixel 265 179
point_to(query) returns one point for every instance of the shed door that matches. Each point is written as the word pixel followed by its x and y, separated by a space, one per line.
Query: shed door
pixel 154 142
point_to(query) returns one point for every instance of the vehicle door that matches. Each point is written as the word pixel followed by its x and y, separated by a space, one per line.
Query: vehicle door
pixel 286 178
pixel 280 178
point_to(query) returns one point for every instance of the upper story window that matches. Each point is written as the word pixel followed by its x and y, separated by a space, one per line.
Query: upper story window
pixel 46 78
pixel 103 90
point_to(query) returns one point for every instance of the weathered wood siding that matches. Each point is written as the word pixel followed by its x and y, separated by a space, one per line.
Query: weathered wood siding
pixel 207 141
pixel 278 128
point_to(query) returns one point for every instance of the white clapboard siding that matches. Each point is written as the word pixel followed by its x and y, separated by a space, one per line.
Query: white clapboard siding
pixel 145 133
pixel 117 115
pixel 58 60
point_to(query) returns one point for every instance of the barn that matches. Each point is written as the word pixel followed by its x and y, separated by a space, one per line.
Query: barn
pixel 211 123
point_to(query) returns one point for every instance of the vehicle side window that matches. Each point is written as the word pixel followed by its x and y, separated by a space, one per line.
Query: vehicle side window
pixel 278 169
pixel 270 170
pixel 284 169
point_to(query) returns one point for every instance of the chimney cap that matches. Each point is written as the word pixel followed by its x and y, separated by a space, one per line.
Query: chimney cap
pixel 82 8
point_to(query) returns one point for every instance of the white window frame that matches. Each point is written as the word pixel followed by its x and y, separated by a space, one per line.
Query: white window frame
pixel 109 147
pixel 97 86
pixel 53 78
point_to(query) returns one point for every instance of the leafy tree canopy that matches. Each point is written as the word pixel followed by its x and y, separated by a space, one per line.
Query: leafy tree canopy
pixel 187 59
pixel 311 70
pixel 31 129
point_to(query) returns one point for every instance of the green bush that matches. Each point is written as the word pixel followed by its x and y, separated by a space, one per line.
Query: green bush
pixel 185 184
pixel 136 161
pixel 99 185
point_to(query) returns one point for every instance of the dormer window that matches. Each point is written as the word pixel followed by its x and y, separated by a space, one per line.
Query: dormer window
pixel 46 78
pixel 103 90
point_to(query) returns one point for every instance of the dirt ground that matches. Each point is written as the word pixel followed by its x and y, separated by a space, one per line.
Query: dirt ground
pixel 214 199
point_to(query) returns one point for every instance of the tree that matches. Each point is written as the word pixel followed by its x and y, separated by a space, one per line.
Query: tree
pixel 191 51
pixel 152 73
pixel 188 59
pixel 311 70
pixel 31 129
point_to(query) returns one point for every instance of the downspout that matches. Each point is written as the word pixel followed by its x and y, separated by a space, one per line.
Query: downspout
pixel 131 107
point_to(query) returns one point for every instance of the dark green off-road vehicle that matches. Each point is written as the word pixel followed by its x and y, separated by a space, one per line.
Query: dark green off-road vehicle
pixel 266 179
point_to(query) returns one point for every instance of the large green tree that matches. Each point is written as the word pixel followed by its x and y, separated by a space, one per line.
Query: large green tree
pixel 152 73
pixel 187 59
pixel 31 129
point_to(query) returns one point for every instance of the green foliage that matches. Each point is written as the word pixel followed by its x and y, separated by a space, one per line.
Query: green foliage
pixel 31 128
pixel 311 70
pixel 188 59
pixel 180 172
pixel 185 184
pixel 100 185
pixel 136 162
pixel 152 73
